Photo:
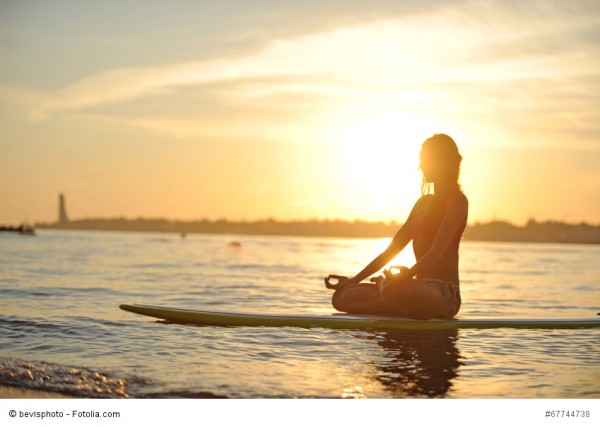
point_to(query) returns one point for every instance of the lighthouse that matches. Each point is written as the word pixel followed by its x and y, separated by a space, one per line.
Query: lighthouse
pixel 62 211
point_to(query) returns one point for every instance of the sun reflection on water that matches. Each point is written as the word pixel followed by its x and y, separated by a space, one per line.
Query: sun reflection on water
pixel 355 392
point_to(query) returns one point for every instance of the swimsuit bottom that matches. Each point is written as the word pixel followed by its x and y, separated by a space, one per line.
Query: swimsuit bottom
pixel 451 293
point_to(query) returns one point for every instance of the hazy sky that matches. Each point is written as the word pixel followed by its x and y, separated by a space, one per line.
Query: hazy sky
pixel 297 109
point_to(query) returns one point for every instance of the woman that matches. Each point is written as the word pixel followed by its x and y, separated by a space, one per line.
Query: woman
pixel 430 288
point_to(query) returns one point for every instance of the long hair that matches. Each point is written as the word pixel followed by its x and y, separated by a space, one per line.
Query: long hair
pixel 445 150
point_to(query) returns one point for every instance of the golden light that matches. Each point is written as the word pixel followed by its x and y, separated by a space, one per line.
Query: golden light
pixel 379 158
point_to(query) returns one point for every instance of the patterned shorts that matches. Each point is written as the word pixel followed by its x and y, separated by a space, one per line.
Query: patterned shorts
pixel 451 293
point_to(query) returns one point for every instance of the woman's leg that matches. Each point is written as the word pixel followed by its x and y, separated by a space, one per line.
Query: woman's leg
pixel 416 299
pixel 360 299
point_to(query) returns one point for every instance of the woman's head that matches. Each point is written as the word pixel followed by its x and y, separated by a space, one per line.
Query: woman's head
pixel 440 161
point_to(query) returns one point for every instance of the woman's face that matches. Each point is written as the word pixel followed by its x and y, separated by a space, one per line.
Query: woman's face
pixel 431 164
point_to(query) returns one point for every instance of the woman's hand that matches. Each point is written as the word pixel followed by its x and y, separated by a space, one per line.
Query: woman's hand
pixel 389 273
pixel 342 281
pixel 389 277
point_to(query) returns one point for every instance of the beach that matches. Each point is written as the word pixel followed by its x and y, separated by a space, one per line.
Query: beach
pixel 17 393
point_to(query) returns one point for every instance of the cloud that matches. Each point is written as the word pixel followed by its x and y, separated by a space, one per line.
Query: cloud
pixel 477 59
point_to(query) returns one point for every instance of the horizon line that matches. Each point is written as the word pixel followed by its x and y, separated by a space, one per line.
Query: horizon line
pixel 306 220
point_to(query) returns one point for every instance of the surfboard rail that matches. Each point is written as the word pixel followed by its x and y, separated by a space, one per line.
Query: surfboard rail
pixel 345 321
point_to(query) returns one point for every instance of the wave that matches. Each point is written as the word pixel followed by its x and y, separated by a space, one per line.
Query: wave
pixel 84 382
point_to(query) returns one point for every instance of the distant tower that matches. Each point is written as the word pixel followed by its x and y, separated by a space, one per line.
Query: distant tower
pixel 62 211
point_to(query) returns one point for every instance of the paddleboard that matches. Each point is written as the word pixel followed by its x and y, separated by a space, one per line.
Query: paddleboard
pixel 345 321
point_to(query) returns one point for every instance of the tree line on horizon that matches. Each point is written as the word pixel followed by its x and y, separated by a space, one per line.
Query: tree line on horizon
pixel 533 231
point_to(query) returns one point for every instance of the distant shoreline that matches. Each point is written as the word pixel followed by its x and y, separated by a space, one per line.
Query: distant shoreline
pixel 497 231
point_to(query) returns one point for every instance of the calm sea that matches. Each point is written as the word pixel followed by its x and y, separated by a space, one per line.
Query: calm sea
pixel 61 328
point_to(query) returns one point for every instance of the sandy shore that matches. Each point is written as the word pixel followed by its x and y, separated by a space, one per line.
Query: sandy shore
pixel 19 393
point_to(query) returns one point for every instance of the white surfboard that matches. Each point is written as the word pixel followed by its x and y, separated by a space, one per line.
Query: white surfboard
pixel 346 321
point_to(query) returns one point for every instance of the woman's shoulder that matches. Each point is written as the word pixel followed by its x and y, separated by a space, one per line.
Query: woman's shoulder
pixel 458 201
pixel 424 199
pixel 428 202
pixel 422 203
pixel 458 197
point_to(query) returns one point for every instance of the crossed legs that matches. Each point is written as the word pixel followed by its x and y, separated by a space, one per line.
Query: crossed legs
pixel 413 299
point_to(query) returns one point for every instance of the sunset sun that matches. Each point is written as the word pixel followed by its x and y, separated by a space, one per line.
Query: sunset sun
pixel 380 158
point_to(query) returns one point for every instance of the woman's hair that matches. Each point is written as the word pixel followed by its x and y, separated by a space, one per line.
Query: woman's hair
pixel 443 148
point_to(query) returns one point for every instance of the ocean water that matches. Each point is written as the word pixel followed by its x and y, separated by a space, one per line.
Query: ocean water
pixel 61 328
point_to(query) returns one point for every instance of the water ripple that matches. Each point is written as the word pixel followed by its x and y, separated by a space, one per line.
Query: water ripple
pixel 60 294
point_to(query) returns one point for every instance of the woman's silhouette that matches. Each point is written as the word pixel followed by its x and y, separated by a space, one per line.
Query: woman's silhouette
pixel 430 288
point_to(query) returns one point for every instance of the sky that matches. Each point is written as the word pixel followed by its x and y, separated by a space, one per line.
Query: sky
pixel 244 109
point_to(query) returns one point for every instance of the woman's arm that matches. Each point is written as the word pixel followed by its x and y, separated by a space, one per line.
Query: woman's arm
pixel 399 242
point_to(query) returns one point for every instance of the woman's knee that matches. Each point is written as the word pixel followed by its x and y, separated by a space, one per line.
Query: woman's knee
pixel 391 292
pixel 345 300
pixel 337 300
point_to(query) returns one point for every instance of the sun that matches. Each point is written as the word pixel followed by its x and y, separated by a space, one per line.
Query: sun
pixel 379 157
